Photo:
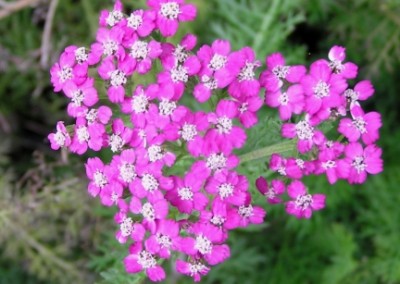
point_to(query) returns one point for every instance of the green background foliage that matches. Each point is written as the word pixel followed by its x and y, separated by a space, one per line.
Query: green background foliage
pixel 51 231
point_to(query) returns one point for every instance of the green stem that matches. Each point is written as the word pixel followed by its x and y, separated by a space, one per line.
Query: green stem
pixel 282 147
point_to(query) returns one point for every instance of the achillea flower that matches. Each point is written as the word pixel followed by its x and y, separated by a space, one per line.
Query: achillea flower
pixel 82 96
pixel 362 161
pixel 362 125
pixel 247 110
pixel 61 138
pixel 272 191
pixel 288 102
pixel 170 13
pixel 337 55
pixel 361 91
pixel 303 203
pixel 109 45
pixel 141 22
pixel 112 18
pixel 192 269
pixel 87 136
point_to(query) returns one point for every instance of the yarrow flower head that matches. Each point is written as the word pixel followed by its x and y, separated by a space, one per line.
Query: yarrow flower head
pixel 169 166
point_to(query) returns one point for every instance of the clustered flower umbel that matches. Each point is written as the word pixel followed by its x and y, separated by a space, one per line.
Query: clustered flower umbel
pixel 148 131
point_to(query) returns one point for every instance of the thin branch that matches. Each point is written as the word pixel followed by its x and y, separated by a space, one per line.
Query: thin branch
pixel 10 8
pixel 46 38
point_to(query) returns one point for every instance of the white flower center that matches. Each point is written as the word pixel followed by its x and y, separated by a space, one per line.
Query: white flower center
pixel 110 47
pixel 140 103
pixel 149 182
pixel 126 227
pixel 91 116
pixel 247 72
pixel 117 78
pixel 135 21
pixel 185 193
pixel 321 90
pixel 60 138
pixel 167 107
pixel 83 134
pixel 99 179
pixel 217 220
pixel 188 132
pixel 216 162
pixel 283 99
pixel 351 95
pixel 164 240
pixel 140 50
pixel 303 201
pixel 336 66
pixel 328 164
pixel 246 211
pixel 225 190
pixel 243 107
pixel 148 212
pixel 217 62
pixel 114 17
pixel 360 124
pixel 270 193
pixel 77 97
pixel 359 164
pixel 65 74
pixel 116 143
pixel 281 71
pixel 114 197
pixel 170 10
pixel 304 130
pixel 81 55
pixel 127 172
pixel 179 74
pixel 155 153
pixel 180 53
pixel 146 260
pixel 282 171
pixel 197 268
pixel 300 163
pixel 209 82
pixel 203 245
pixel 224 125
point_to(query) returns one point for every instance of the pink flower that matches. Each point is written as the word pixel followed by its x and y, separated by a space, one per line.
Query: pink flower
pixel 125 166
pixel 306 134
pixel 303 203
pixel 278 72
pixel 141 22
pixel 336 55
pixel 225 134
pixel 229 187
pixel 143 259
pixel 179 53
pixel 285 167
pixel 117 77
pixel 247 110
pixel 363 161
pixel 362 91
pixel 91 135
pixel 186 195
pixel 248 214
pixel 220 216
pixel 207 243
pixel 143 53
pixel 322 88
pixel 66 70
pixel 333 167
pixel 121 135
pixel 99 174
pixel 153 210
pixel 61 138
pixel 165 239
pixel 178 74
pixel 245 83
pixel 192 269
pixel 362 125
pixel 170 13
pixel 288 102
pixel 112 18
pixel 110 195
pixel 82 96
pixel 109 44
pixel 271 192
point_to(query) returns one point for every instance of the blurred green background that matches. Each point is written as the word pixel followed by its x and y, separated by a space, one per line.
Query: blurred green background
pixel 51 231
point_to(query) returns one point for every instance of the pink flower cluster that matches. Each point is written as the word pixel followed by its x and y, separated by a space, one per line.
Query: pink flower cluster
pixel 311 100
pixel 149 131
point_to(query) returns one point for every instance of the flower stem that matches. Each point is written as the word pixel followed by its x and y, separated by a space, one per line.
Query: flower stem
pixel 268 151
